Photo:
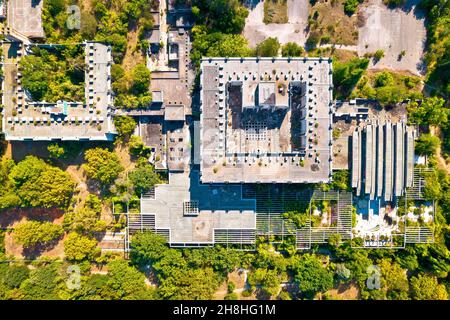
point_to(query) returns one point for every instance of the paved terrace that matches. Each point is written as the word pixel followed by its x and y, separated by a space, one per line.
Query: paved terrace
pixel 29 120
pixel 266 120
pixel 192 211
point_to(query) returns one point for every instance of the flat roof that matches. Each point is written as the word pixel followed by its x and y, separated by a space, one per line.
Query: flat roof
pixel 220 207
pixel 265 144
pixel 174 112
pixel 64 120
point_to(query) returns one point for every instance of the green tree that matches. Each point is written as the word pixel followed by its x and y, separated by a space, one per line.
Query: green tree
pixel 8 196
pixel 42 284
pixel 351 6
pixel 268 48
pixel 31 233
pixel 88 25
pixel 311 276
pixel 291 49
pixel 227 16
pixel 78 247
pixel 136 146
pixel 394 3
pixel 347 74
pixel 125 126
pixel 15 275
pixel 140 78
pixel 433 188
pixel 268 280
pixel 427 144
pixel 431 111
pixel 383 79
pixel 394 281
pixel 41 185
pixel 378 55
pixel 125 282
pixel 86 219
pixel 189 284
pixel 424 287
pixel 102 165
pixel 143 178
pixel 55 6
pixel 147 248
pixel 341 180
pixel 313 39
pixel 216 44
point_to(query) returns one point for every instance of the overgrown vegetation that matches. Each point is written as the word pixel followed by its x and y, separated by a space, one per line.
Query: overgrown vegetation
pixel 388 88
pixel 132 89
pixel 438 38
pixel 332 22
pixel 109 22
pixel 346 75
pixel 275 11
pixel 54 74
pixel 291 49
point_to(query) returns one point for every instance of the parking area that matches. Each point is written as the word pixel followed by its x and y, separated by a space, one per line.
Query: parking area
pixel 394 31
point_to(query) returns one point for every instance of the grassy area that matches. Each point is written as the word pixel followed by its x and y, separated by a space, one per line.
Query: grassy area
pixel 275 11
pixel 329 24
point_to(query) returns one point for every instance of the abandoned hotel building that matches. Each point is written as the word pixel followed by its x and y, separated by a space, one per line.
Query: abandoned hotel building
pixel 265 132
pixel 24 119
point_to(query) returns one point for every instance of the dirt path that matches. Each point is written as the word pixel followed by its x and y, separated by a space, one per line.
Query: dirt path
pixel 442 164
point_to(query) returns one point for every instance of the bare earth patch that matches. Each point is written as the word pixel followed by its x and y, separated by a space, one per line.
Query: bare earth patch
pixel 239 279
pixel 344 292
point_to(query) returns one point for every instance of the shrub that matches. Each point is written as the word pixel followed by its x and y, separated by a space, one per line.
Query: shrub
pixel 56 151
pixel 268 48
pixel 350 6
pixel 230 287
pixel 378 55
pixel 384 79
pixel 313 39
pixel 291 49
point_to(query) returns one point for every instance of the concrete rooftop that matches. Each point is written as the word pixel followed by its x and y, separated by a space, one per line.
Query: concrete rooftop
pixel 283 135
pixel 70 120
